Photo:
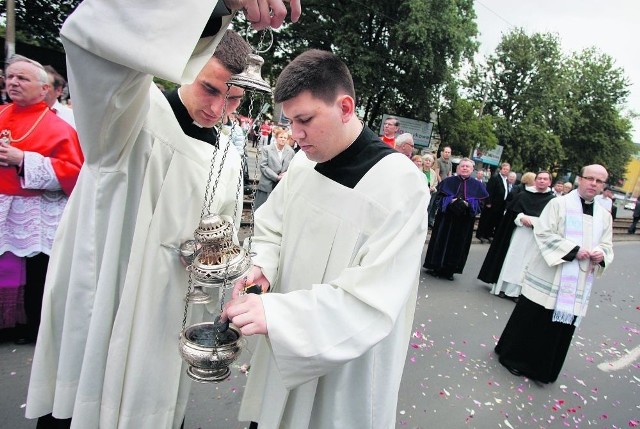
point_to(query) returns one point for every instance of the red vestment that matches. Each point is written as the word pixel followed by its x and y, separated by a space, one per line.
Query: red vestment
pixel 52 138
pixel 389 141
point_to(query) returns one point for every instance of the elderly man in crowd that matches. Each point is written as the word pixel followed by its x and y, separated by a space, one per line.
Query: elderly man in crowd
pixel 566 188
pixel 459 202
pixel 405 145
pixel 511 180
pixel 40 159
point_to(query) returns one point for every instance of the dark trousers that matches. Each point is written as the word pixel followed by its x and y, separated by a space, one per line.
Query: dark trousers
pixel 36 267
pixel 50 422
pixel 489 221
pixel 632 227
pixel 433 207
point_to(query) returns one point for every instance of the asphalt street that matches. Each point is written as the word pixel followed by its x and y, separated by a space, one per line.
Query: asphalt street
pixel 452 378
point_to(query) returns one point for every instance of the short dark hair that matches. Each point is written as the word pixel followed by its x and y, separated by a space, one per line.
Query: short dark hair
pixel 543 172
pixel 233 52
pixel 394 119
pixel 320 72
pixel 58 81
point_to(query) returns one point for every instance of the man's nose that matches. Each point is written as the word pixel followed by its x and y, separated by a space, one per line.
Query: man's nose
pixel 296 132
pixel 217 105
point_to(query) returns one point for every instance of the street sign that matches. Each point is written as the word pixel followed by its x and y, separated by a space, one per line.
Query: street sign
pixel 420 130
pixel 491 157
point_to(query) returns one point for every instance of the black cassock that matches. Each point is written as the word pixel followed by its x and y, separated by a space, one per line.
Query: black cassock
pixel 527 202
pixel 451 234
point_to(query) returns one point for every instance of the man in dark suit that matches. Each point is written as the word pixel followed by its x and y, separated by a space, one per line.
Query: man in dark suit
pixel 497 186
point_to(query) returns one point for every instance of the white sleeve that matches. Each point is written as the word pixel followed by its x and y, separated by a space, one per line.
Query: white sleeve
pixel 113 48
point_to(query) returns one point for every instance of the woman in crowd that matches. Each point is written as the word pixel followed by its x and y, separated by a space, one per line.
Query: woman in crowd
pixel 527 179
pixel 417 160
pixel 274 162
pixel 432 178
pixel 429 172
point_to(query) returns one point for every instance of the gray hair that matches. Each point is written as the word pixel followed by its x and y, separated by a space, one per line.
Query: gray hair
pixel 403 139
pixel 428 156
pixel 42 75
pixel 465 159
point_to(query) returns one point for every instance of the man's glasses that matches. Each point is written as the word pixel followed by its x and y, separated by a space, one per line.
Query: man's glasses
pixel 593 179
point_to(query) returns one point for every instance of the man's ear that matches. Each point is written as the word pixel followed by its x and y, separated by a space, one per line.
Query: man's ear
pixel 347 107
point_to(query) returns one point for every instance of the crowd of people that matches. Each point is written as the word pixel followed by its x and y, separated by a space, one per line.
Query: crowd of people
pixel 100 285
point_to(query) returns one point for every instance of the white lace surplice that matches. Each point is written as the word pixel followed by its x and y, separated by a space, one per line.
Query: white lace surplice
pixel 28 224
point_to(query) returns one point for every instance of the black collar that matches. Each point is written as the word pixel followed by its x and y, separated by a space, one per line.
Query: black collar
pixel 185 120
pixel 350 165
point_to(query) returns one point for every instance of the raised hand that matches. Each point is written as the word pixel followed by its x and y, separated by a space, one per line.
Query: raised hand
pixel 266 13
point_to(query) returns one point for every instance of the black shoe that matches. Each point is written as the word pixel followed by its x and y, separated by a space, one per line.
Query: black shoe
pixel 514 371
pixel 24 340
pixel 448 276
pixel 481 240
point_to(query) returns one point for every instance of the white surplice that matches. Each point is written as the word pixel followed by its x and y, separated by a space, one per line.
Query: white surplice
pixel 541 279
pixel 344 266
pixel 521 248
pixel 107 351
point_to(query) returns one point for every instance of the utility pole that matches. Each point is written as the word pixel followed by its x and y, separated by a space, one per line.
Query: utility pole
pixel 485 95
pixel 10 37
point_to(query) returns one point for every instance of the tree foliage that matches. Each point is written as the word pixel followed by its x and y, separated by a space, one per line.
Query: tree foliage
pixel 524 90
pixel 38 22
pixel 597 129
pixel 554 111
pixel 399 53
pixel 461 128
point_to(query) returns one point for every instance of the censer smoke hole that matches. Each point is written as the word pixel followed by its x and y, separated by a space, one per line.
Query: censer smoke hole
pixel 210 337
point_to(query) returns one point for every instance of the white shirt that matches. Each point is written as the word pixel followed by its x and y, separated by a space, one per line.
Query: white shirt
pixel 605 202
pixel 506 186
pixel 65 113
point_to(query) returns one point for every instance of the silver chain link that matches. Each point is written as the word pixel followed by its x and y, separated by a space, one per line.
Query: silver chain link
pixel 208 201
pixel 186 300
